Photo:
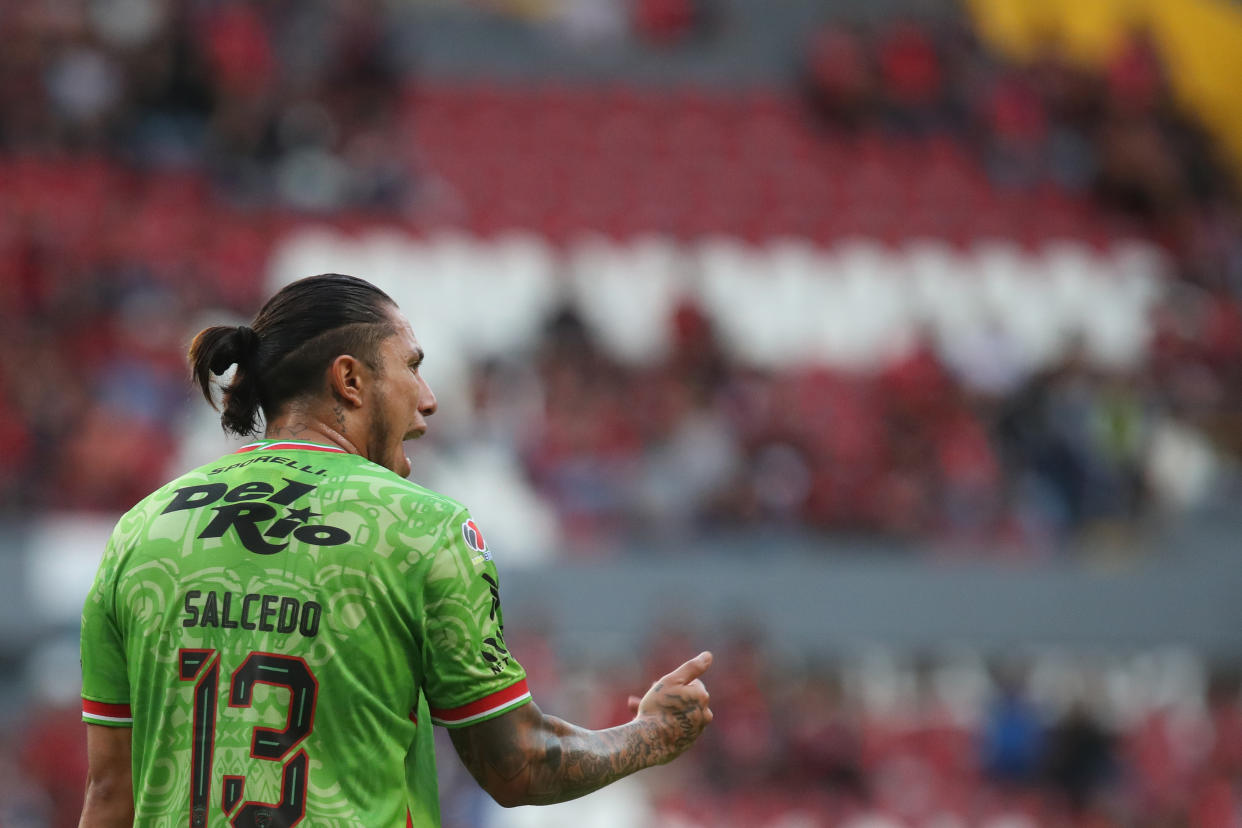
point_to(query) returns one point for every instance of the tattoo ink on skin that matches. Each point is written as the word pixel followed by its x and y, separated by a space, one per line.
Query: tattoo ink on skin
pixel 339 411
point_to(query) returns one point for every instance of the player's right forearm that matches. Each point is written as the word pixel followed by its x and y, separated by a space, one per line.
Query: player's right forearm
pixel 576 761
pixel 527 758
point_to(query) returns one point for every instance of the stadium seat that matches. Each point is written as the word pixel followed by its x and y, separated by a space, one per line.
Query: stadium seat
pixel 627 293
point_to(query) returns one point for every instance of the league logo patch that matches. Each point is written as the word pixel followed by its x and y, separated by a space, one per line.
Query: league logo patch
pixel 474 539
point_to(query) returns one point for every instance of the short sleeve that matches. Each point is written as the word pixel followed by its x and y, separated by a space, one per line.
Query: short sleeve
pixel 469 674
pixel 105 680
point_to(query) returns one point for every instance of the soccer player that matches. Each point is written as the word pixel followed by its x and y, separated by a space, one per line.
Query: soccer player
pixel 270 636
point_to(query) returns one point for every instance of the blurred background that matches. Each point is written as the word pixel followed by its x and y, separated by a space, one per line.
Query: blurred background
pixel 892 350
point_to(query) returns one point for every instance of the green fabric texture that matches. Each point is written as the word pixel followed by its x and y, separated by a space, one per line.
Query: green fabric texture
pixel 275 621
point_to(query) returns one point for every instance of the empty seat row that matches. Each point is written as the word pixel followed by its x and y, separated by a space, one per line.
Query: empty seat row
pixel 857 306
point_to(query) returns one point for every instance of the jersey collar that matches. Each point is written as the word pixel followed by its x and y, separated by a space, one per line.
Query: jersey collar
pixel 287 445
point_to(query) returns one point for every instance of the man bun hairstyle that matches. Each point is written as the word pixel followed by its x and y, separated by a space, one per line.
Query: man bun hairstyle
pixel 284 351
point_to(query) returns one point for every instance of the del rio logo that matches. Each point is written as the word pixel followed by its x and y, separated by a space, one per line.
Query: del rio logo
pixel 247 506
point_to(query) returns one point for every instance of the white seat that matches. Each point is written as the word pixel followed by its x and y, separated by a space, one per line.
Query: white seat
pixel 1070 269
pixel 309 251
pixel 627 294
pixel 1020 299
pixel 797 296
pixel 944 295
pixel 877 308
pixel 516 294
pixel 734 290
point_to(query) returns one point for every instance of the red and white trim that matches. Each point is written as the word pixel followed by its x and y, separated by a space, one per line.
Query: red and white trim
pixel 113 714
pixel 287 445
pixel 498 702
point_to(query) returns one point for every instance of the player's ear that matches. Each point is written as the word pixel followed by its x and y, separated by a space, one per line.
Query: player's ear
pixel 345 379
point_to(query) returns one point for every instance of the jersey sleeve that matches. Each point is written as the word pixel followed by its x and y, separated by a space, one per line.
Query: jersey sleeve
pixel 469 675
pixel 105 680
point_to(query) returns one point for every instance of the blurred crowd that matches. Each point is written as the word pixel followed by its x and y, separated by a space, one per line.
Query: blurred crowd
pixel 853 745
pixel 699 446
pixel 1145 740
pixel 826 748
pixel 150 152
pixel 261 97
pixel 1115 131
pixel 1117 137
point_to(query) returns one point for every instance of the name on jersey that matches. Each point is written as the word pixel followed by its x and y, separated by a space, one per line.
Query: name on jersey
pixel 261 516
pixel 251 611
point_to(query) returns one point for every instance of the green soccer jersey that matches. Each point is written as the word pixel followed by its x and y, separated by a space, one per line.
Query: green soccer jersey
pixel 272 624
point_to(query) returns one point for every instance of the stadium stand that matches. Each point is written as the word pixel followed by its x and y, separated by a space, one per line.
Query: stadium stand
pixel 913 291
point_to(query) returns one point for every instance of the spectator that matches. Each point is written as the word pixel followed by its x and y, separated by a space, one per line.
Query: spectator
pixel 837 78
pixel 1081 759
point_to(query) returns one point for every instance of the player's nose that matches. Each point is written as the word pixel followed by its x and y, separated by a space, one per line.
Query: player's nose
pixel 426 400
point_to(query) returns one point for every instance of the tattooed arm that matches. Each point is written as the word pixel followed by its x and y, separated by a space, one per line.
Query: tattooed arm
pixel 525 757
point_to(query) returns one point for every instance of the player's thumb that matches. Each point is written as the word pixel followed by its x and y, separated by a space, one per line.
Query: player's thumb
pixel 692 669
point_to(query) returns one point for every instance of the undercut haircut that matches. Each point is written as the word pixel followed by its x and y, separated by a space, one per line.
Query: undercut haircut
pixel 283 353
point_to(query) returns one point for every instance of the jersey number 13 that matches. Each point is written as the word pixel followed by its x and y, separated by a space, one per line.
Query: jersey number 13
pixel 203 668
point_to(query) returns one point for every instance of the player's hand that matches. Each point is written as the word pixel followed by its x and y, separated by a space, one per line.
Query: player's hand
pixel 678 704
